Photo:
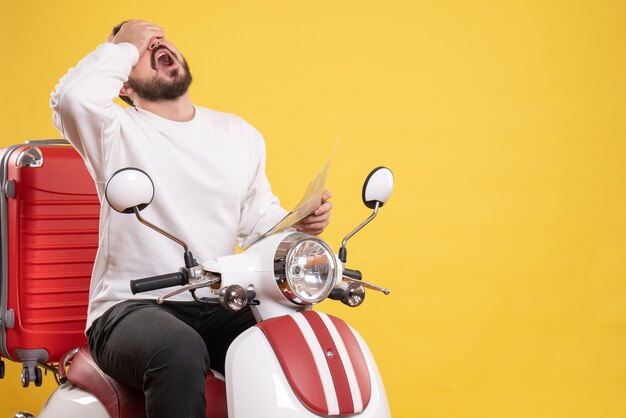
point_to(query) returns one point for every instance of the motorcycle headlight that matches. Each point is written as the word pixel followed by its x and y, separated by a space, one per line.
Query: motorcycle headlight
pixel 305 269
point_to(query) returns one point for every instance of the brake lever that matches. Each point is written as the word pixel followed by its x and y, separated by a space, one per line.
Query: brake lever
pixel 368 285
pixel 197 284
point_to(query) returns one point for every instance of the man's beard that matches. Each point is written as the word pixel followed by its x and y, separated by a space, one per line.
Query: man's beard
pixel 158 89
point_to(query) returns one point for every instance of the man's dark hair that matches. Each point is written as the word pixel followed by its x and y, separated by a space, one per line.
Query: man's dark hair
pixel 115 30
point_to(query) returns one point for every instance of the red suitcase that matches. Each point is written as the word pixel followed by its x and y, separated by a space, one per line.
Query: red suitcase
pixel 49 235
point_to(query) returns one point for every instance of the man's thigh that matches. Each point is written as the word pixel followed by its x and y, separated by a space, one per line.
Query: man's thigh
pixel 131 335
pixel 219 328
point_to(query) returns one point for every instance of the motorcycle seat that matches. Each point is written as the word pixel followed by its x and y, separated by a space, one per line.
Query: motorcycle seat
pixel 122 401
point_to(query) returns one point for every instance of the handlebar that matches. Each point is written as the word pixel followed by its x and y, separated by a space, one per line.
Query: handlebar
pixel 146 284
pixel 353 274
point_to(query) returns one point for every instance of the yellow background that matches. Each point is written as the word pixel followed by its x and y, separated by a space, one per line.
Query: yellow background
pixel 504 122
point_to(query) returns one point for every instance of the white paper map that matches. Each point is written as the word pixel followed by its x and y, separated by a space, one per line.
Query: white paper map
pixel 309 202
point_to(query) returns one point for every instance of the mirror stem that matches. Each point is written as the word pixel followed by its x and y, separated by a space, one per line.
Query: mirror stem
pixel 159 230
pixel 189 260
pixel 343 251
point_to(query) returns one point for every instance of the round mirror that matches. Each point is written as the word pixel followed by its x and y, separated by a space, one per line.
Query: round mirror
pixel 377 187
pixel 129 188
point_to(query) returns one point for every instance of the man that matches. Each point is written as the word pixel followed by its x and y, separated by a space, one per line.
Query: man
pixel 211 191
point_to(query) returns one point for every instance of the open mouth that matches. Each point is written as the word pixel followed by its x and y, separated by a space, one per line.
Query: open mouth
pixel 163 58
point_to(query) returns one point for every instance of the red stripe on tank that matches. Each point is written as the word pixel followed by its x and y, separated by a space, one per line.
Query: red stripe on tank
pixel 294 356
pixel 357 357
pixel 335 364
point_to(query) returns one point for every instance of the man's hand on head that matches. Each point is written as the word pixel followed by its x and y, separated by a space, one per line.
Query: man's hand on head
pixel 137 32
pixel 316 222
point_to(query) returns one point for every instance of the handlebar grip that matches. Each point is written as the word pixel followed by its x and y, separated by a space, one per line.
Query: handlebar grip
pixel 158 282
pixel 353 274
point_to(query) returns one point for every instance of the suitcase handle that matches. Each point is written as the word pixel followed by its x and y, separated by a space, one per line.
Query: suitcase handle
pixel 47 142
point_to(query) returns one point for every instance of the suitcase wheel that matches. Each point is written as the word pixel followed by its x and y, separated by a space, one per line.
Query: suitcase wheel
pixel 26 377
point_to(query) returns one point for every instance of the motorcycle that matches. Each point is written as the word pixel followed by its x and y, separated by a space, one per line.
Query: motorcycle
pixel 296 362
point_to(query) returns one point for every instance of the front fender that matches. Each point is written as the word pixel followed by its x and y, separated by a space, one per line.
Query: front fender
pixel 257 382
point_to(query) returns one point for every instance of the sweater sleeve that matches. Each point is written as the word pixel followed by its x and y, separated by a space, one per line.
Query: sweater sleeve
pixel 82 103
pixel 260 210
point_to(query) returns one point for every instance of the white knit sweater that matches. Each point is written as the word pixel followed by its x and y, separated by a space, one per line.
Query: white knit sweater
pixel 209 176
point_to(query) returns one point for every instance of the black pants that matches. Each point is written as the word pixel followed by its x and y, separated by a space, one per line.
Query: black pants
pixel 165 350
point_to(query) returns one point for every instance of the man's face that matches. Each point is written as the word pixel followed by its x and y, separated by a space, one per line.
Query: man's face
pixel 161 73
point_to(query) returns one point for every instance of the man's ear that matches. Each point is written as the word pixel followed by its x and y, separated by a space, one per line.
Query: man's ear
pixel 126 90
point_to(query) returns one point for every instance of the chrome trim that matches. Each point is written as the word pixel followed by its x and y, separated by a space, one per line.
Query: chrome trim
pixel 30 157
pixel 234 291
pixel 47 142
pixel 206 281
pixel 355 295
pixel 282 253
pixel 155 228
pixel 367 285
pixel 67 358
pixel 64 363
pixel 195 273
pixel 358 228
